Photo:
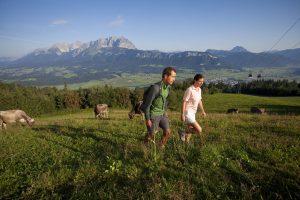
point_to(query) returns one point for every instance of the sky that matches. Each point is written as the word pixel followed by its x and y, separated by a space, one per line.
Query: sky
pixel 165 25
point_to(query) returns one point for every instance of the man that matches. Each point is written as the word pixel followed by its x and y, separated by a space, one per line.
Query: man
pixel 154 106
pixel 192 99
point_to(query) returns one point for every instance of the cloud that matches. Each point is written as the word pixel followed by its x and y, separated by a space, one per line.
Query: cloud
pixel 118 22
pixel 58 22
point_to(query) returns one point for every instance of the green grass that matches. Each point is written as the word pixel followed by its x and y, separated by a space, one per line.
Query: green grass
pixel 277 105
pixel 76 156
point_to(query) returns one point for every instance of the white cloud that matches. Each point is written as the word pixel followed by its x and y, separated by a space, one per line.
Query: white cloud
pixel 58 22
pixel 118 22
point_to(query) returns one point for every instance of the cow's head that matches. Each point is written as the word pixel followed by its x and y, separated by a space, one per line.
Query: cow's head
pixel 31 122
pixel 131 115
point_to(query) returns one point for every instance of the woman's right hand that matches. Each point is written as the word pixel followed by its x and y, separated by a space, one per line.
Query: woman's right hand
pixel 183 117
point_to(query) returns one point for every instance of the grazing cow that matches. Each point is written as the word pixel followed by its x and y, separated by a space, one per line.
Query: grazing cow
pixel 101 111
pixel 136 110
pixel 13 116
pixel 233 110
pixel 257 110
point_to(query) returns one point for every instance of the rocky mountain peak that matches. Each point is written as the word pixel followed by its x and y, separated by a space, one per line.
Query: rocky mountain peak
pixel 113 41
pixel 62 47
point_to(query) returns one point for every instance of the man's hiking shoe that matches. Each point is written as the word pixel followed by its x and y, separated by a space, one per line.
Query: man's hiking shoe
pixel 181 134
pixel 148 137
pixel 161 147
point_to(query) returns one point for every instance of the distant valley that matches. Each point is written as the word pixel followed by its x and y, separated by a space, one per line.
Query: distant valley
pixel 116 61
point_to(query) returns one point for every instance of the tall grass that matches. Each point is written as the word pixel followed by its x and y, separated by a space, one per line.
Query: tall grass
pixel 76 156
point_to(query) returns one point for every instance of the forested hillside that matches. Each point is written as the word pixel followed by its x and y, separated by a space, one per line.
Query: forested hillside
pixel 37 101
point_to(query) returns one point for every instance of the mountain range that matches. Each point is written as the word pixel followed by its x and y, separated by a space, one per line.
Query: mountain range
pixel 120 53
pixel 106 56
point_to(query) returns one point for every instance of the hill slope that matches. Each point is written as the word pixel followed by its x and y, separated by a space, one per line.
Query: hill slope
pixel 76 156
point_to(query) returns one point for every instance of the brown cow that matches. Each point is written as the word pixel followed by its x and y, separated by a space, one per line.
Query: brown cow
pixel 257 110
pixel 13 116
pixel 233 110
pixel 136 110
pixel 101 111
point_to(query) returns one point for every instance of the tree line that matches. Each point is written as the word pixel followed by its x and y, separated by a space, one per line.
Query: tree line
pixel 259 87
pixel 36 101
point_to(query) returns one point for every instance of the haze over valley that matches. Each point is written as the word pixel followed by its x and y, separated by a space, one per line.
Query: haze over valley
pixel 116 61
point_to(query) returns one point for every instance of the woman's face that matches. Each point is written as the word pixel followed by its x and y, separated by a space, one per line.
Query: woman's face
pixel 199 83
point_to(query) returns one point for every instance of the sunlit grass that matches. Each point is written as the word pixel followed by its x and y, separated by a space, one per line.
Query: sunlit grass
pixel 77 156
pixel 221 102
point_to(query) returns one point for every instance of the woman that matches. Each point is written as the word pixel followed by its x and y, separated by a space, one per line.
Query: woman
pixel 191 100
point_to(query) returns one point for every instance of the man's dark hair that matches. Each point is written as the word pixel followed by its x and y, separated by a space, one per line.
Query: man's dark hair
pixel 167 71
pixel 198 76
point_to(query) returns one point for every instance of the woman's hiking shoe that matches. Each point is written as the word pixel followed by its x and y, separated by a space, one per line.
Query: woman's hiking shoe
pixel 188 137
pixel 181 134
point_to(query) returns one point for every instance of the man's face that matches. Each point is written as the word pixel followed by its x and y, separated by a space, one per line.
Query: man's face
pixel 169 80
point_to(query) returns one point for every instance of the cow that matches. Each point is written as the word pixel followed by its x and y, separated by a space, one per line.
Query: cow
pixel 136 110
pixel 257 110
pixel 233 110
pixel 101 111
pixel 14 116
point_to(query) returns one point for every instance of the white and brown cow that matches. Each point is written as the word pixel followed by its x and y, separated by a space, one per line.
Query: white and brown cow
pixel 136 110
pixel 101 111
pixel 13 116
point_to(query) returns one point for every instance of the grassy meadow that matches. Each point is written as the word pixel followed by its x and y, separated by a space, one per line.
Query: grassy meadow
pixel 220 102
pixel 75 156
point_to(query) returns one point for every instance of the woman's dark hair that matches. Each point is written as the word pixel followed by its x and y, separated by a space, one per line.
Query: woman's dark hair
pixel 167 71
pixel 197 77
